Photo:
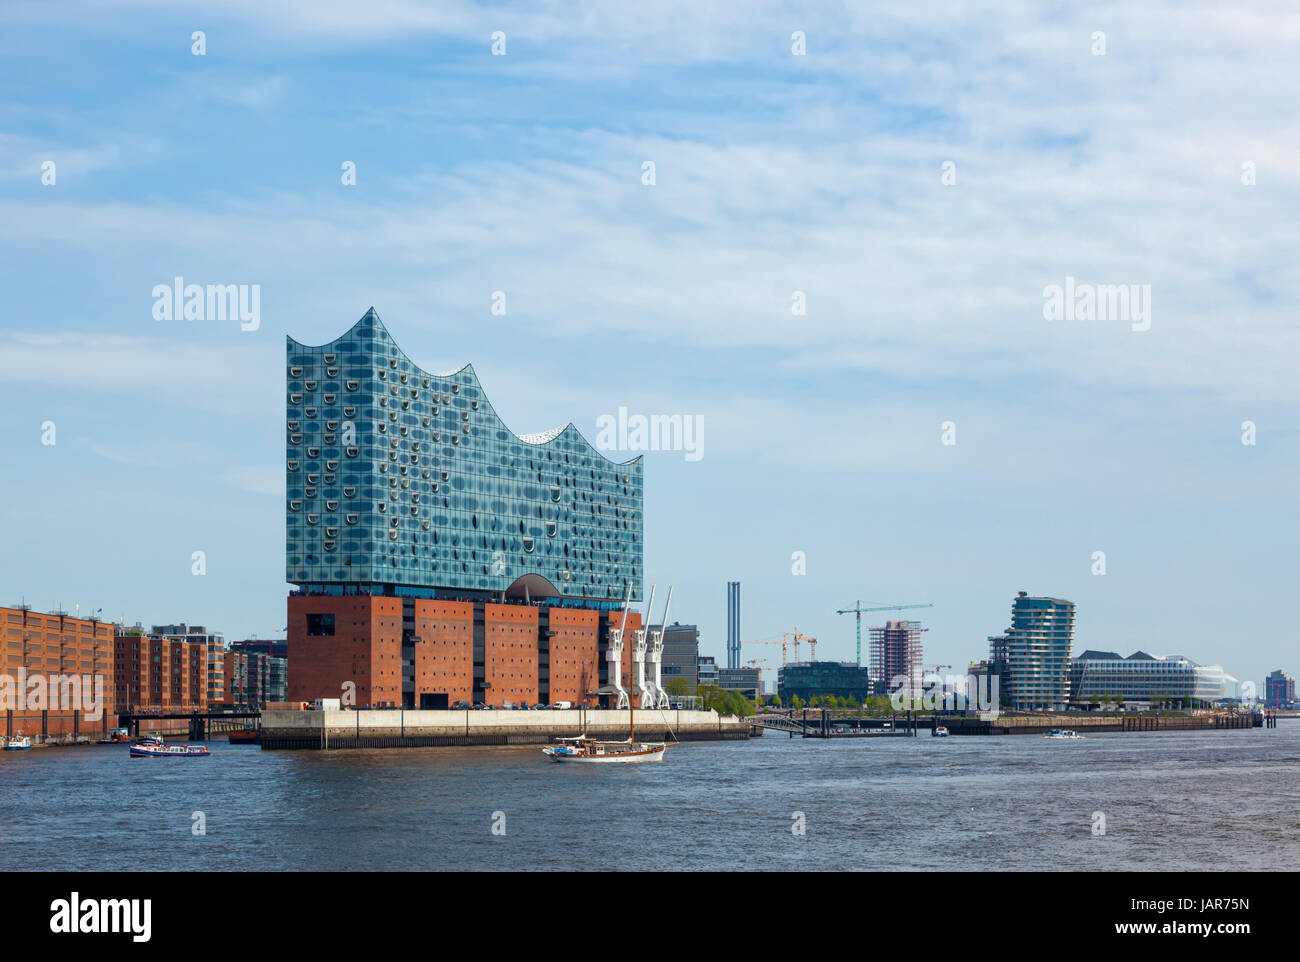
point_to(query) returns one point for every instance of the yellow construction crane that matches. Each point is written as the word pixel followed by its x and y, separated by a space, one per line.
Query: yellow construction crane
pixel 795 638
pixel 783 645
pixel 757 663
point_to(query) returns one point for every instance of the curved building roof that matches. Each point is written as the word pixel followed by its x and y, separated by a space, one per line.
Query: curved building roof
pixel 398 476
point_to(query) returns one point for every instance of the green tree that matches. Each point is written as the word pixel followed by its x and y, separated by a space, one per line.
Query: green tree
pixel 677 686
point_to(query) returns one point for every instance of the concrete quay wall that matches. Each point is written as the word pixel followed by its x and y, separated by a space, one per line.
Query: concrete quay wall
pixel 422 729
pixel 1037 724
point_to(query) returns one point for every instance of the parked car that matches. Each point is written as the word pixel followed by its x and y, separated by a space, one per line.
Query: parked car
pixel 461 705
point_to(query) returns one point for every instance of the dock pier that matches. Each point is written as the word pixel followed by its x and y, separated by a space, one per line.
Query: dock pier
pixel 829 723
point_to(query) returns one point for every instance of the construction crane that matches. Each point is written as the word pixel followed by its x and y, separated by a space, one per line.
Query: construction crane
pixel 784 645
pixel 757 663
pixel 857 609
pixel 795 638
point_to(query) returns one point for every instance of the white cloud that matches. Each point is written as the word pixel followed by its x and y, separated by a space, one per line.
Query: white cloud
pixel 235 379
pixel 260 94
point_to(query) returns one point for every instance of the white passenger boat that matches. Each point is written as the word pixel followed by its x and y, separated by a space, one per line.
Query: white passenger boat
pixel 940 732
pixel 19 743
pixel 153 747
pixel 1062 733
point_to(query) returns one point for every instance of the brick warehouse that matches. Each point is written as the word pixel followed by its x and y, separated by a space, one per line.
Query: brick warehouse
pixel 438 557
pixel 35 648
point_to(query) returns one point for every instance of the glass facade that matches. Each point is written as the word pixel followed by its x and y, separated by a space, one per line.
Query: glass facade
pixel 681 653
pixel 407 482
pixel 1279 690
pixel 1139 676
pixel 1036 653
pixel 812 678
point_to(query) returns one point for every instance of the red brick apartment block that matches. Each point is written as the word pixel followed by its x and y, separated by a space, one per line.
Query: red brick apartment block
pixel 159 674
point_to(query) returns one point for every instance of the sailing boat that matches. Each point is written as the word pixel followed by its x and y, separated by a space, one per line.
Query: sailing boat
pixel 591 751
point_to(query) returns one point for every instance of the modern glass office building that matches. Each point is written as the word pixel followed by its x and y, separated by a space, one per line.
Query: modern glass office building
pixel 681 653
pixel 1140 676
pixel 1279 690
pixel 808 679
pixel 402 481
pixel 1035 653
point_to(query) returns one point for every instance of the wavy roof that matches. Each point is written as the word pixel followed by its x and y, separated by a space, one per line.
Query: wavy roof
pixel 537 438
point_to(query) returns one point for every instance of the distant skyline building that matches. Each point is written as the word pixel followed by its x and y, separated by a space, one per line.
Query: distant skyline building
pixel 1035 653
pixel 438 557
pixel 733 624
pixel 157 672
pixel 1141 676
pixel 1279 690
pixel 808 679
pixel 743 680
pixel 681 653
pixel 896 657
pixel 265 646
pixel 213 642
pixel 706 671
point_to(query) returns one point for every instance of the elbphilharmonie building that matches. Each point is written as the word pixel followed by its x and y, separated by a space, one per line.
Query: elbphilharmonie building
pixel 405 485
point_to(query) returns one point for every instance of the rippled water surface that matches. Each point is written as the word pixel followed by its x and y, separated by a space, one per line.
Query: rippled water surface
pixel 1204 801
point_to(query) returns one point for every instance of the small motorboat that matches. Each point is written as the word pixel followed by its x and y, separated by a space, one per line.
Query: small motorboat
pixel 939 732
pixel 153 747
pixel 589 751
pixel 116 736
pixel 19 743
pixel 1062 733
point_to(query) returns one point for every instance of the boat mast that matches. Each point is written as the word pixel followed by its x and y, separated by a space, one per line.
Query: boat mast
pixel 621 628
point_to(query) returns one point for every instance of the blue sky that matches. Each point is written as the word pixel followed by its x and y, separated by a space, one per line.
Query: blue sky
pixel 775 173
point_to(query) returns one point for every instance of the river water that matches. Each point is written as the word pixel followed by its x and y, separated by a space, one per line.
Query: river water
pixel 1170 801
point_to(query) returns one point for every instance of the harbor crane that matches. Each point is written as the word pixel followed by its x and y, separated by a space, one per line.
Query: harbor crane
pixel 857 609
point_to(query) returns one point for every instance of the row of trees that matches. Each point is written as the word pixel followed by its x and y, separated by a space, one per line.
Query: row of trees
pixel 727 702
